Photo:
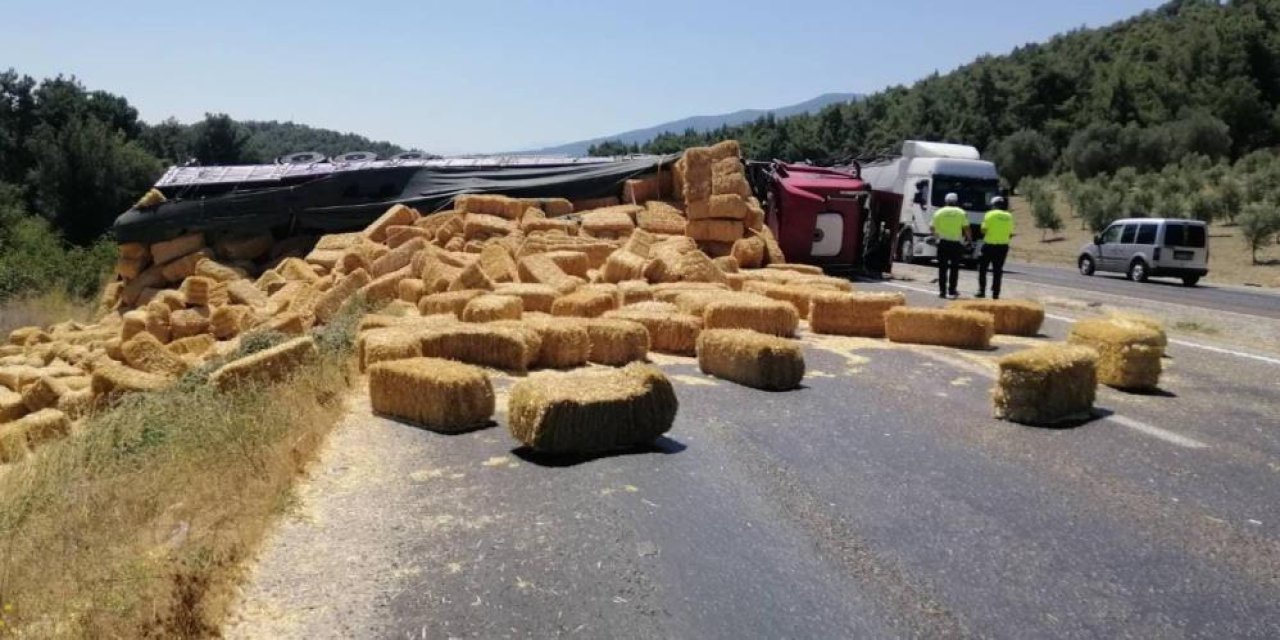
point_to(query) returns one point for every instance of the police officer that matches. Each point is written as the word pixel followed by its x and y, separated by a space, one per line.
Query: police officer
pixel 951 227
pixel 997 229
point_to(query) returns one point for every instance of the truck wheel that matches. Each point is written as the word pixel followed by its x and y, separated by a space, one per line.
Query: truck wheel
pixel 1138 271
pixel 906 249
pixel 1190 281
pixel 1087 266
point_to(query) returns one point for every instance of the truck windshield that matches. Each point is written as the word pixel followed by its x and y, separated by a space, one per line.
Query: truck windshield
pixel 975 193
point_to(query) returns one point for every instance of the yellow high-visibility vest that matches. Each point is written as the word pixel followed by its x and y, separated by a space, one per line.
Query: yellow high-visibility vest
pixel 949 223
pixel 997 227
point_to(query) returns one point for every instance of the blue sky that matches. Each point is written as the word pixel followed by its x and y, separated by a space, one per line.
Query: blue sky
pixel 484 75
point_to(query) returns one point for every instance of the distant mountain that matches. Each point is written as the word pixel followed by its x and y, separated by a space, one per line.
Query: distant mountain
pixel 697 123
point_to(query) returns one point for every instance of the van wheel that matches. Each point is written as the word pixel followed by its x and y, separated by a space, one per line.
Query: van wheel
pixel 1087 267
pixel 1190 281
pixel 1138 271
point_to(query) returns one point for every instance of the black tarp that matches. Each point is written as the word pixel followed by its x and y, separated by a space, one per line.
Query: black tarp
pixel 350 200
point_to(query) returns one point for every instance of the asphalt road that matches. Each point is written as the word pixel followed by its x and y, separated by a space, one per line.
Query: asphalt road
pixel 881 500
pixel 1205 295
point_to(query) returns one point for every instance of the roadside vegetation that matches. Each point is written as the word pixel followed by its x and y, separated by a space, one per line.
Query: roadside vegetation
pixel 137 525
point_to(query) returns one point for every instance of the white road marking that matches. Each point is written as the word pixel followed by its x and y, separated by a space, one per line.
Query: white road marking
pixel 1181 343
pixel 1157 432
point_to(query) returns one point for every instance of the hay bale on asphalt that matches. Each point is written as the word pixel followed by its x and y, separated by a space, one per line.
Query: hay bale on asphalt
pixel 673 333
pixel 565 341
pixel 799 297
pixel 268 365
pixel 585 412
pixel 584 304
pixel 197 345
pixel 623 265
pixel 945 327
pixel 170 250
pixel 851 314
pixel 1013 317
pixel 397 215
pixel 806 269
pixel 661 218
pixel 43 393
pixel 391 343
pixel 1142 320
pixel 616 342
pixel 331 302
pixel 452 302
pixel 751 358
pixel 491 307
pixel 756 313
pixel 1128 353
pixel 533 297
pixel 185 323
pixel 112 378
pixel 502 347
pixel 397 258
pixel 144 353
pixel 711 230
pixel 438 394
pixel 1046 385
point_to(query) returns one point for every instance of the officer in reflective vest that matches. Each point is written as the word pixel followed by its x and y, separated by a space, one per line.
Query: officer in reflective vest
pixel 951 226
pixel 997 229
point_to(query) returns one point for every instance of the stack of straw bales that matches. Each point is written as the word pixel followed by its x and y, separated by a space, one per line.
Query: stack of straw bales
pixel 1128 352
pixel 1046 385
pixel 723 217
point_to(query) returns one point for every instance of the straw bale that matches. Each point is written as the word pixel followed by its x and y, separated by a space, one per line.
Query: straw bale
pixel 945 327
pixel 170 250
pixel 689 266
pixel 335 241
pixel 297 270
pixel 585 304
pixel 12 406
pixel 15 377
pixel 556 207
pixel 751 359
pixel 397 215
pixel 588 204
pixel 130 268
pixel 41 426
pixel 539 268
pixel 133 251
pixel 727 207
pixel 76 402
pixel 472 277
pixel 389 344
pixel 204 291
pixel 661 218
pixel 78 382
pixel 611 221
pixel 397 258
pixel 851 314
pixel 144 353
pixel 513 348
pixel 533 297
pixel 151 278
pixel 411 290
pixel 249 247
pixel 185 323
pixel 438 275
pixel 287 323
pixel 133 323
pixel 13 443
pixel 27 335
pixel 1046 385
pixel 632 291
pixel 693 174
pixel 217 271
pixel 729 231
pixel 1142 320
pixel 565 341
pixel 640 242
pixel 112 349
pixel 726 264
pixel 496 205
pixel 597 251
pixel 592 411
pixel 730 183
pixel 725 149
pixel 491 307
pixel 642 190
pixel 1013 317
pixel 531 225
pixel 616 342
pixel 451 228
pixel 1128 352
pixel 828 283
pixel 481 226
pixel 269 282
pixel 196 345
pixel 43 393
pixel 755 215
pixel 674 333
pixel 111 378
pixel 110 299
pixel 398 235
pixel 158 314
pixel 772 250
pixel 440 395
pixel 623 265
pixel 695 301
pixel 452 302
pixel 798 296
pixel 574 263
pixel 497 263
pixel 755 313
pixel 455 244
pixel 669 291
pixel 382 288
pixel 229 321
pixel 268 365
pixel 807 269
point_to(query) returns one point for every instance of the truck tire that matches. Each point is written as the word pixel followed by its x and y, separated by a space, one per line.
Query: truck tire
pixel 1138 271
pixel 1190 281
pixel 906 249
pixel 1087 266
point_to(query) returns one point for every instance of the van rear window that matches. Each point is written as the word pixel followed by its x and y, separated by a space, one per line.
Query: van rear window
pixel 1147 234
pixel 1184 235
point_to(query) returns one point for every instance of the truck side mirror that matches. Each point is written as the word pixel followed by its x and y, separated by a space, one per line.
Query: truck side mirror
pixel 1097 239
pixel 918 198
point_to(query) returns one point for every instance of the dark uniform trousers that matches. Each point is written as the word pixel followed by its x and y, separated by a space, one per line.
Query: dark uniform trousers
pixel 993 256
pixel 950 253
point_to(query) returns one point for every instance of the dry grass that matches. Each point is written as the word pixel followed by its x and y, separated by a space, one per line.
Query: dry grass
pixel 136 526
pixel 43 310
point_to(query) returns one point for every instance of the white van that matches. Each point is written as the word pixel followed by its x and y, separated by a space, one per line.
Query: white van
pixel 1150 247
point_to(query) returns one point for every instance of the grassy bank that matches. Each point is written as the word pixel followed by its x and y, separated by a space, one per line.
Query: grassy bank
pixel 137 525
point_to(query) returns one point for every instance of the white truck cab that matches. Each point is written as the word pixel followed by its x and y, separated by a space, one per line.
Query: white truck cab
pixel 923 175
